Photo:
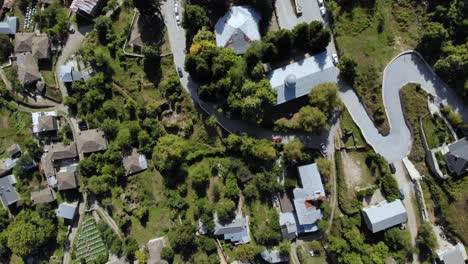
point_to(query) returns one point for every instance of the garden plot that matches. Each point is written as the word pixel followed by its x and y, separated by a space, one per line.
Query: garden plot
pixel 89 242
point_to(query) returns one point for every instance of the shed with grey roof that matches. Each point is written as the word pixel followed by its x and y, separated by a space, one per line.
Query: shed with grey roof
pixel 43 196
pixel 298 79
pixel 86 8
pixel 40 47
pixel 8 194
pixel 60 152
pixel 9 26
pixel 288 225
pixel 134 162
pixel 454 255
pixel 384 215
pixel 28 71
pixel 236 231
pixel 24 42
pixel 67 210
pixel 238 28
pixel 67 180
pixel 6 165
pixel 457 157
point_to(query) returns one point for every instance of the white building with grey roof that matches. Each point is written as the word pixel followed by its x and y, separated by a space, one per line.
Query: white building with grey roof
pixel 8 194
pixel 385 215
pixel 237 231
pixel 9 26
pixel 298 79
pixel 457 157
pixel 454 255
pixel 238 28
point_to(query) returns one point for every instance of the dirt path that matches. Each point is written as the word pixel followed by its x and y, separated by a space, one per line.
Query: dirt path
pixel 352 169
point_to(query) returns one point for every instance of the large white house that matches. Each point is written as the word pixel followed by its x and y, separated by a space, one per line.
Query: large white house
pixel 385 215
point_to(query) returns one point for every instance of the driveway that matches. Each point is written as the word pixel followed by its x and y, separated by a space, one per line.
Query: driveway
pixel 287 16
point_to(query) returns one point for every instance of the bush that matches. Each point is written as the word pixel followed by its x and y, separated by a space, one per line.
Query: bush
pixel 167 253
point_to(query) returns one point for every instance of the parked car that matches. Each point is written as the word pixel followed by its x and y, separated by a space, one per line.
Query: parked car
pixel 176 8
pixel 402 194
pixel 403 226
pixel 71 29
pixel 177 18
pixel 323 148
pixel 320 2
pixel 276 139
pixel 180 72
pixel 335 58
pixel 323 11
pixel 392 168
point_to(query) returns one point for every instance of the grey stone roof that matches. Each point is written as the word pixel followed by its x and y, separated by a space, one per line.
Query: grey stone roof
pixel 298 79
pixel 46 165
pixel 8 194
pixel 288 225
pixel 67 210
pixel 46 195
pixel 28 71
pixel 60 151
pixel 66 180
pixel 23 42
pixel 457 157
pixel 47 123
pixel 40 47
pixel 91 140
pixel 385 215
pixel 134 162
pixel 236 231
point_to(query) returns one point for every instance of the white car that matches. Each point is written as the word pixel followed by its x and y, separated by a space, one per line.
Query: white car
pixel 323 10
pixel 320 2
pixel 176 8
pixel 335 58
pixel 177 18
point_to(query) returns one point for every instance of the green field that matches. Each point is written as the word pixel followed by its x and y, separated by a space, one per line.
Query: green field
pixel 14 128
pixel 436 132
pixel 347 124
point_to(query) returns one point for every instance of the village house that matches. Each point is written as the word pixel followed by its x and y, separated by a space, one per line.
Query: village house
pixel 134 162
pixel 44 124
pixel 44 196
pixel 92 140
pixel 9 26
pixel 8 194
pixel 237 231
pixel 384 215
pixel 454 255
pixel 457 157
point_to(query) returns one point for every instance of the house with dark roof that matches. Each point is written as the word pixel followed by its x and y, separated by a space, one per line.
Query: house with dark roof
pixel 24 42
pixel 8 194
pixel 237 231
pixel 44 196
pixel 238 28
pixel 9 26
pixel 14 150
pixel 68 73
pixel 7 165
pixel 454 255
pixel 384 215
pixel 28 71
pixel 40 47
pixel 67 180
pixel 457 157
pixel 44 124
pixel 92 140
pixel 134 162
pixel 59 152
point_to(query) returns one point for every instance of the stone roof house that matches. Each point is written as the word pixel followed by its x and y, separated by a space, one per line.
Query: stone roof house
pixel 238 28
pixel 23 42
pixel 67 180
pixel 59 151
pixel 44 123
pixel 457 157
pixel 92 140
pixel 40 47
pixel 67 210
pixel 28 71
pixel 134 162
pixel 43 196
pixel 9 26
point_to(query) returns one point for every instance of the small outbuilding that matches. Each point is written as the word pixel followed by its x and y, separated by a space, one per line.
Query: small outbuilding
pixel 457 157
pixel 43 196
pixel 8 194
pixel 134 162
pixel 454 255
pixel 9 26
pixel 385 215
pixel 236 231
pixel 67 211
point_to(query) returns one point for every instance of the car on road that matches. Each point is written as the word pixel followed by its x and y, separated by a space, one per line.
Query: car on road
pixel 335 58
pixel 323 148
pixel 177 18
pixel 276 139
pixel 320 2
pixel 323 11
pixel 180 72
pixel 402 194
pixel 176 8
pixel 392 168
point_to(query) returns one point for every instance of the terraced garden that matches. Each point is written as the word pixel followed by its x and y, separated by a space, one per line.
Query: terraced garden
pixel 89 243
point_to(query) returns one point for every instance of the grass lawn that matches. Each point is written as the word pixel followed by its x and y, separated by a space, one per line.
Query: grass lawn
pixel 14 128
pixel 372 36
pixel 305 257
pixel 347 124
pixel 437 133
pixel 458 210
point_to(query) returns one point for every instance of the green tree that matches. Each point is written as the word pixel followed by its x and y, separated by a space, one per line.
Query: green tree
pixel 398 240
pixel 433 37
pixel 247 252
pixel 124 140
pixel 225 209
pixel 324 166
pixel 6 48
pixel 311 119
pixel 169 152
pixel 426 236
pixel 167 253
pixel 29 231
pixel 285 247
pixel 200 174
pixel 141 256
pixel 194 18
pixel 54 21
pixel 103 25
pixel 33 149
pixel 325 97
pixel 204 34
pixel 182 238
pixel 347 68
pixel 293 152
pixel 301 36
pixel 148 7
pixel 231 190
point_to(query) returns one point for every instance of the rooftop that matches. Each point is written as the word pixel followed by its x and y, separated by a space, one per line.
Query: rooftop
pixel 23 42
pixel 85 7
pixel 9 26
pixel 46 195
pixel 454 255
pixel 69 73
pixel 41 47
pixel 60 151
pixel 14 150
pixel 8 194
pixel 67 210
pixel 385 215
pixel 274 256
pixel 91 140
pixel 134 162
pixel 298 79
pixel 237 230
pixel 238 28
pixel 28 71
pixel 457 157
pixel 66 180
pixel 39 123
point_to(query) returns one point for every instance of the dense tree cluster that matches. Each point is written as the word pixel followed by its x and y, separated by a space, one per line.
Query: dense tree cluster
pixel 54 21
pixel 379 166
pixel 443 42
pixel 6 48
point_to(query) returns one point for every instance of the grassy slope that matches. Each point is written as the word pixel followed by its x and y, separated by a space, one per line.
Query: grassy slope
pixel 437 133
pixel 347 123
pixel 14 128
pixel 358 36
